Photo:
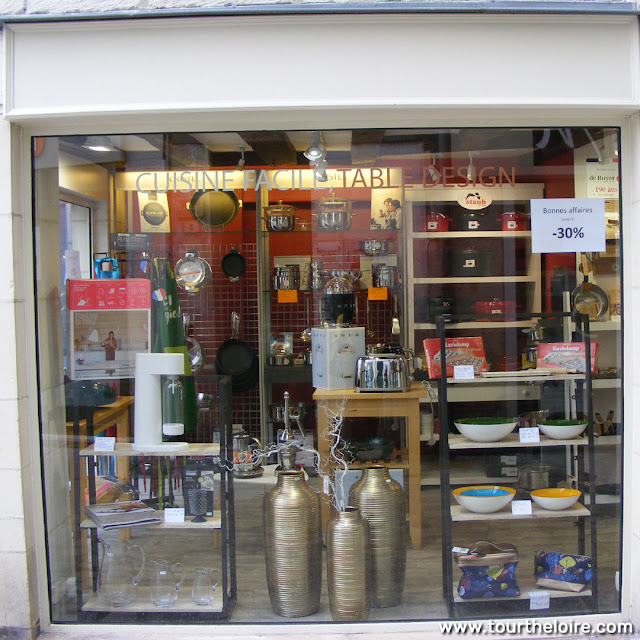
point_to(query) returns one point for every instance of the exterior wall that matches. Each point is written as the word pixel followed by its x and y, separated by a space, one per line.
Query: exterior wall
pixel 22 595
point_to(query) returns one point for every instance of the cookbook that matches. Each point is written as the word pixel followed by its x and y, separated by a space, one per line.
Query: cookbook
pixel 115 515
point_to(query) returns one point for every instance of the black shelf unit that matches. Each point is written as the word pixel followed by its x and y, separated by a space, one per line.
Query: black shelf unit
pixel 583 394
pixel 226 545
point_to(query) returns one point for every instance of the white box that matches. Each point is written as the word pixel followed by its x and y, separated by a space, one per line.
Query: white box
pixel 335 351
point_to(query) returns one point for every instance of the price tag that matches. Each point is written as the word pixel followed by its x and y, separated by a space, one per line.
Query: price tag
pixel 509 460
pixel 463 372
pixel 377 293
pixel 459 550
pixel 174 514
pixel 529 434
pixel 538 600
pixel 521 507
pixel 104 444
pixel 287 296
pixel 325 485
pixel 567 225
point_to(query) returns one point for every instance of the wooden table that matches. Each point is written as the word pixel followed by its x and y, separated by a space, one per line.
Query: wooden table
pixel 378 405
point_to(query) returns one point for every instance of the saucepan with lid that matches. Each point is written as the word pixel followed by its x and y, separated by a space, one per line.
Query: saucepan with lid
pixel 280 217
pixel 333 214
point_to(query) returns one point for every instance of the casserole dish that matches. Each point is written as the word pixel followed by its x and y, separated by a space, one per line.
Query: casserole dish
pixel 474 221
pixel 382 372
pixel 385 276
pixel 513 221
pixel 333 214
pixel 437 222
pixel 286 278
pixel 494 307
pixel 469 262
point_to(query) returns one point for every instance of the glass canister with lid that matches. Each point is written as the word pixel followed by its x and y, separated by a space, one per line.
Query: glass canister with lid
pixel 338 299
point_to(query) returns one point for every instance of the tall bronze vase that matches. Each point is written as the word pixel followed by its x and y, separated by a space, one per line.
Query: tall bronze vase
pixel 348 565
pixel 381 502
pixel 293 546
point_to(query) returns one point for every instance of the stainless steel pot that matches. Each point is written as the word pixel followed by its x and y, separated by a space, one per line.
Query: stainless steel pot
pixel 276 411
pixel 286 278
pixel 376 247
pixel 246 464
pixel 280 217
pixel 353 275
pixel 383 372
pixel 280 360
pixel 333 214
pixel 534 476
pixel 385 276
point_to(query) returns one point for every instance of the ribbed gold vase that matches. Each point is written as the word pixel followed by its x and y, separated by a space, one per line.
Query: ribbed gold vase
pixel 293 546
pixel 348 565
pixel 381 503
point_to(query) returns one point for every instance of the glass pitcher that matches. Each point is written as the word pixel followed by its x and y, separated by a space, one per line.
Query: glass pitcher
pixel 204 585
pixel 164 586
pixel 117 577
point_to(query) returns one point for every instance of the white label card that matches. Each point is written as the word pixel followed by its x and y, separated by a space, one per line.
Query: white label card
pixel 105 443
pixel 529 434
pixel 463 372
pixel 459 550
pixel 174 514
pixel 538 600
pixel 567 225
pixel 521 507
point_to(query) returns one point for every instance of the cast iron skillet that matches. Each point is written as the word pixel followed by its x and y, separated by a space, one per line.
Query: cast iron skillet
pixel 233 264
pixel 234 357
pixel 214 209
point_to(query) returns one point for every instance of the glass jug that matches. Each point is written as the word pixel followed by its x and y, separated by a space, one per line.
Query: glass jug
pixel 117 579
pixel 204 585
pixel 164 586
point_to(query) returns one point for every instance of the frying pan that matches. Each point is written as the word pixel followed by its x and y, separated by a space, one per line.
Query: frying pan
pixel 233 264
pixel 234 357
pixel 194 350
pixel 214 209
pixel 589 298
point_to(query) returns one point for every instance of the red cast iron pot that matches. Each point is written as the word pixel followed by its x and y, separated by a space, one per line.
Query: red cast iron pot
pixel 437 222
pixel 495 308
pixel 512 221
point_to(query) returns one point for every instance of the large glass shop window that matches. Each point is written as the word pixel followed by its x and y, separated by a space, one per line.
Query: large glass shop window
pixel 330 375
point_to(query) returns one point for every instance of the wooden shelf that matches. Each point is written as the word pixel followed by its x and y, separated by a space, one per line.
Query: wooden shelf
pixel 475 280
pixel 526 586
pixel 460 514
pixel 126 449
pixel 491 324
pixel 597 327
pixel 458 441
pixel 606 383
pixel 471 234
pixel 518 378
pixel 143 604
pixel 213 522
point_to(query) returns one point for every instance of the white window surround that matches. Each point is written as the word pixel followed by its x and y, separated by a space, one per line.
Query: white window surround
pixel 416 98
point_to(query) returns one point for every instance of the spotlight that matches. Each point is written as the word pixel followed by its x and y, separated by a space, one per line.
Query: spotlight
pixel 320 171
pixel 98 143
pixel 316 150
pixel 241 161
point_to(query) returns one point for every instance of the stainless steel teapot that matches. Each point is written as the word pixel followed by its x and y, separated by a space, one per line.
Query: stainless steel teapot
pixel 246 464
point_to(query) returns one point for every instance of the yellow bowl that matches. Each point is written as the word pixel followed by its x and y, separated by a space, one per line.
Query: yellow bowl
pixel 555 499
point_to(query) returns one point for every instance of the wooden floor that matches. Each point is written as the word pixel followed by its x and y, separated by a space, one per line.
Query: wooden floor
pixel 422 598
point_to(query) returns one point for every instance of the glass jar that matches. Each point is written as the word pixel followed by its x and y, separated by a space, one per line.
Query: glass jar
pixel 338 301
pixel 172 407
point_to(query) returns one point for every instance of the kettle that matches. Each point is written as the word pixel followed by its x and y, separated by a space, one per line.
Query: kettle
pixel 245 463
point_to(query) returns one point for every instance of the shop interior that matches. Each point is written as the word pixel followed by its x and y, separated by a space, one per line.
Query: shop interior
pixel 298 287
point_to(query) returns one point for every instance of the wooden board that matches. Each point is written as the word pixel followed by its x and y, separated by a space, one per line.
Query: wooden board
pixel 460 514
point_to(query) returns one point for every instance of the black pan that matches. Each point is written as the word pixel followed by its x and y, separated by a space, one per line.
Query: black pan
pixel 234 357
pixel 248 380
pixel 214 209
pixel 233 264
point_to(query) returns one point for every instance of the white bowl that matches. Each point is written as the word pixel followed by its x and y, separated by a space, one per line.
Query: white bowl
pixel 484 498
pixel 555 499
pixel 483 430
pixel 562 429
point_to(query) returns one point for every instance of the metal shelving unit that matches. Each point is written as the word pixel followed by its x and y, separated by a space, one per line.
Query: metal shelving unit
pixel 221 525
pixel 580 387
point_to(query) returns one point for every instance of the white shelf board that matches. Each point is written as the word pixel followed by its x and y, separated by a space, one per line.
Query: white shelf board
pixel 597 327
pixel 482 393
pixel 478 324
pixel 603 441
pixel 458 441
pixel 213 522
pixel 471 234
pixel 126 449
pixel 526 586
pixel 463 475
pixel 517 378
pixel 143 604
pixel 426 438
pixel 460 514
pixel 474 279
pixel 606 383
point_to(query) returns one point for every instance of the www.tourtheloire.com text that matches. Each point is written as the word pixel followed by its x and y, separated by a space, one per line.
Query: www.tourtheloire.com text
pixel 534 627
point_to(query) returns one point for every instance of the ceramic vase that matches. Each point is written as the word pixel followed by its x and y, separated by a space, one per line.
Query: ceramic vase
pixel 293 546
pixel 382 504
